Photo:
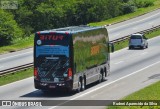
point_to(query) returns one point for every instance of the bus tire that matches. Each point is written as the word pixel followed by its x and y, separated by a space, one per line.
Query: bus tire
pixel 79 87
pixel 103 76
pixel 100 78
pixel 83 84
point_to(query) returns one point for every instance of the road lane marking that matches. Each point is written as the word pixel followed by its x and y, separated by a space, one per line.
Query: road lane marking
pixel 106 84
pixel 119 62
pixel 16 55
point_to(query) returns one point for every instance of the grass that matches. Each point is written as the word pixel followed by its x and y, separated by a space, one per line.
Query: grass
pixel 16 76
pixel 153 34
pixel 139 12
pixel 148 93
pixel 18 44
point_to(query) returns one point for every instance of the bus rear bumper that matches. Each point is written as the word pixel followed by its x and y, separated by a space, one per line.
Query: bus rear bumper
pixel 53 86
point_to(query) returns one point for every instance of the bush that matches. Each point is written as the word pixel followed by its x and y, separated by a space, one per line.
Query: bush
pixel 143 3
pixel 128 8
pixel 37 15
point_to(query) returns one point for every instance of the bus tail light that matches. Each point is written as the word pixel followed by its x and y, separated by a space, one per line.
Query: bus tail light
pixel 35 73
pixel 70 73
pixel 38 33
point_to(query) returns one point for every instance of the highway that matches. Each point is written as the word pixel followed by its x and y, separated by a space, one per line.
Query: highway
pixel 115 31
pixel 134 25
pixel 131 70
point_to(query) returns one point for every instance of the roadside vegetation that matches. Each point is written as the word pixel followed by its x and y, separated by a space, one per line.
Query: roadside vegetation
pixel 18 44
pixel 9 78
pixel 138 11
pixel 148 93
pixel 18 26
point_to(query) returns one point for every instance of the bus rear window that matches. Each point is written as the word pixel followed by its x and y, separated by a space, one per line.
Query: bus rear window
pixel 52 39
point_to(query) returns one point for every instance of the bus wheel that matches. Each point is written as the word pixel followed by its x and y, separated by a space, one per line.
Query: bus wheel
pixel 100 78
pixel 79 87
pixel 103 76
pixel 83 84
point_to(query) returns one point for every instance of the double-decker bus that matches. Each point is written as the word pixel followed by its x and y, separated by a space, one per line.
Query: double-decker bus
pixel 71 57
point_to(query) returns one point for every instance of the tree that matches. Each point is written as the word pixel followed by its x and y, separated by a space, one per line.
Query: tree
pixel 9 29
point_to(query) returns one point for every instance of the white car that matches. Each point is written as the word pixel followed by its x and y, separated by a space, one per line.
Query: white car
pixel 138 41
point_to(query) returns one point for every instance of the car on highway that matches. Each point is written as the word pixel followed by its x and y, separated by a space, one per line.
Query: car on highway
pixel 138 41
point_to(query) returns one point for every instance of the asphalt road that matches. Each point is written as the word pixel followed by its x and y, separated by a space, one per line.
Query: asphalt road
pixel 14 59
pixel 115 31
pixel 134 25
pixel 131 70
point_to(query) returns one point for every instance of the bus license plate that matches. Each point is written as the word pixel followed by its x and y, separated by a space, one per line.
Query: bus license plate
pixel 52 86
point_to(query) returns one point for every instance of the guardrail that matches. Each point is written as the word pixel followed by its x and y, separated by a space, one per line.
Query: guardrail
pixel 127 37
pixel 26 66
pixel 15 69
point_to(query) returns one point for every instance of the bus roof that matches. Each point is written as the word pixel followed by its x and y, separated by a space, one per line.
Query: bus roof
pixel 72 29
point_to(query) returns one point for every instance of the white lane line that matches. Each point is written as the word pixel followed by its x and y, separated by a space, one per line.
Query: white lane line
pixel 144 53
pixel 16 55
pixel 106 84
pixel 119 62
pixel 134 22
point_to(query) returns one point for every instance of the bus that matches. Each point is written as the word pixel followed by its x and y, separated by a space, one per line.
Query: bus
pixel 71 58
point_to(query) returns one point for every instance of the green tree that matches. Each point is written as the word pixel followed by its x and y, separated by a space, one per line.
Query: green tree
pixel 9 29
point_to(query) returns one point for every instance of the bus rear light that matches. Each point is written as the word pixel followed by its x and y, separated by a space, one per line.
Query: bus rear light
pixel 70 73
pixel 38 33
pixel 35 72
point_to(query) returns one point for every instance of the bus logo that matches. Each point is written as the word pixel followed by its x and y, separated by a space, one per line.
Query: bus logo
pixel 39 42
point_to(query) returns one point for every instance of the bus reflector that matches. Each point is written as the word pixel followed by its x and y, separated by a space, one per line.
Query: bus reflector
pixel 69 72
pixel 35 72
